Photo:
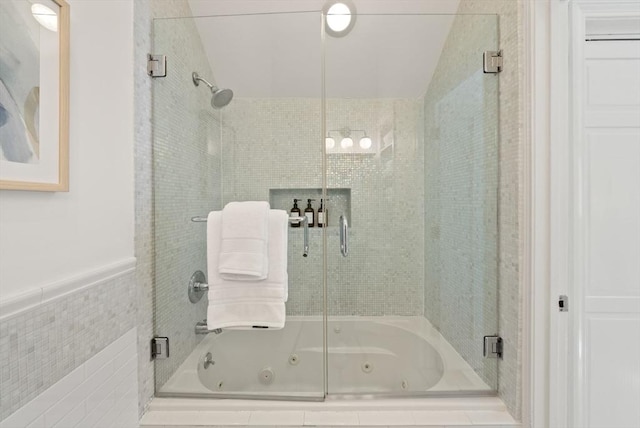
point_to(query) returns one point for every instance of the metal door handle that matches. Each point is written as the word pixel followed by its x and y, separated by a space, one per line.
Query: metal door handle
pixel 344 236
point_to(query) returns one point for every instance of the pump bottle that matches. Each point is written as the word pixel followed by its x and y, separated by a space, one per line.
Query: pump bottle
pixel 323 215
pixel 310 213
pixel 295 212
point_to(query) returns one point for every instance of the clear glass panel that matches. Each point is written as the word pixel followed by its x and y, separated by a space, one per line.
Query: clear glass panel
pixel 410 303
pixel 266 144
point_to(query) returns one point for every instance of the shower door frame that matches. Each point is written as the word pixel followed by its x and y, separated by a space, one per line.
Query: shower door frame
pixel 321 394
pixel 325 317
pixel 427 393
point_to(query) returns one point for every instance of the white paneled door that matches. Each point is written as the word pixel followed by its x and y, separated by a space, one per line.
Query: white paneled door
pixel 606 236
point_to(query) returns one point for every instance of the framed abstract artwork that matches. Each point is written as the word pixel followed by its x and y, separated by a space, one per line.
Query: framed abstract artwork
pixel 34 95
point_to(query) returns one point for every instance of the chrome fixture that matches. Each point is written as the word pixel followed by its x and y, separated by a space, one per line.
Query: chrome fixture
pixel 159 348
pixel 345 135
pixel 201 328
pixel 208 360
pixel 492 62
pixel 220 98
pixel 197 286
pixel 157 65
pixel 492 347
pixel 344 236
pixel 295 220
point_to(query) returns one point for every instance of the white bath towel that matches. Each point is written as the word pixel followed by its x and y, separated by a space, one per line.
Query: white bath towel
pixel 244 250
pixel 248 304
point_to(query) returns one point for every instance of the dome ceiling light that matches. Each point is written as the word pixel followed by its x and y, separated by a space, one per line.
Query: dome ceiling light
pixel 340 18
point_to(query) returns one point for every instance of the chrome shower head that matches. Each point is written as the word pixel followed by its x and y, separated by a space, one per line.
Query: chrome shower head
pixel 220 98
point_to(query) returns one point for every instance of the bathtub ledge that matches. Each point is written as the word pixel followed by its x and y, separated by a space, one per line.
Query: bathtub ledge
pixel 447 412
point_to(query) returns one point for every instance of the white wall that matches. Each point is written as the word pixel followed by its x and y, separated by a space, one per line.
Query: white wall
pixel 47 237
pixel 102 392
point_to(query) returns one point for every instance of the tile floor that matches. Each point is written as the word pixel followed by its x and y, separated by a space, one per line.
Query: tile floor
pixel 486 412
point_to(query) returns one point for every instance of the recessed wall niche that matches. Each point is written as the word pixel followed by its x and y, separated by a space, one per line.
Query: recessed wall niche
pixel 338 203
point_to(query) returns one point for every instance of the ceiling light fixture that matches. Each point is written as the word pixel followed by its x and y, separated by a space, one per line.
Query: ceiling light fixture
pixel 340 17
pixel 45 16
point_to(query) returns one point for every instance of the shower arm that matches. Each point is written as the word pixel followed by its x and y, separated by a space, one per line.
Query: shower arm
pixel 197 79
pixel 294 220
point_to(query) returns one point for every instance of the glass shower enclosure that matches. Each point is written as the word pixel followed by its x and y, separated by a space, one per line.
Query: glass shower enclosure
pixel 392 130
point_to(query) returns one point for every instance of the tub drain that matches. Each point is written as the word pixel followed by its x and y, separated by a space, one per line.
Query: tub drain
pixel 367 367
pixel 266 375
pixel 404 384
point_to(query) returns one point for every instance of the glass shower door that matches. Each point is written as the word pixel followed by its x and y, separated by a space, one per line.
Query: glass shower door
pixel 263 145
pixel 412 178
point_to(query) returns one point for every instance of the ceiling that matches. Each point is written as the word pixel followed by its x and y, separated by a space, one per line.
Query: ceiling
pixel 273 48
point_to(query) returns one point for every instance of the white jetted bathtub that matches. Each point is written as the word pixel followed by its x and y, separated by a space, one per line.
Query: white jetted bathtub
pixel 366 355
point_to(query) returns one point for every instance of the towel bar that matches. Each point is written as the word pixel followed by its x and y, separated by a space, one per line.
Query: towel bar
pixel 303 219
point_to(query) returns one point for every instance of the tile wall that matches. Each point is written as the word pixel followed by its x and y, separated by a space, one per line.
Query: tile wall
pixel 277 144
pixel 461 168
pixel 510 207
pixel 42 345
pixel 452 71
pixel 186 177
pixel 168 245
pixel 101 392
pixel 143 238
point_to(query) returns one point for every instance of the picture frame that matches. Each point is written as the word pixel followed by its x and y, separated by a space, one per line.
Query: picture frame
pixel 34 95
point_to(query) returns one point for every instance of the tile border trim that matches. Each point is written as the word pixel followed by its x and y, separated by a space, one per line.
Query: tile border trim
pixel 16 304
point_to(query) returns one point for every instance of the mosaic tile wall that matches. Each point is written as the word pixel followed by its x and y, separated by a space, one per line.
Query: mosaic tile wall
pixel 383 273
pixel 143 203
pixel 70 330
pixel 510 198
pixel 144 13
pixel 452 71
pixel 271 144
pixel 277 144
pixel 186 176
pixel 461 164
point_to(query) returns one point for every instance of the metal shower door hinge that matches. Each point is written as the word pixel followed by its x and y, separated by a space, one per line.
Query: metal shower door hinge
pixel 159 348
pixel 492 61
pixel 157 65
pixel 492 347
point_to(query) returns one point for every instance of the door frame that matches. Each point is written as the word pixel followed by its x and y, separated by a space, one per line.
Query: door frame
pixel 555 31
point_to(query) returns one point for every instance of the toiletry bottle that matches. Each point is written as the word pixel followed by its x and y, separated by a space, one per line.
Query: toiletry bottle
pixel 323 218
pixel 295 212
pixel 310 213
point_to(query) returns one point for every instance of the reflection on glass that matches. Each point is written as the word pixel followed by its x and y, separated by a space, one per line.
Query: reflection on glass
pixel 45 16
